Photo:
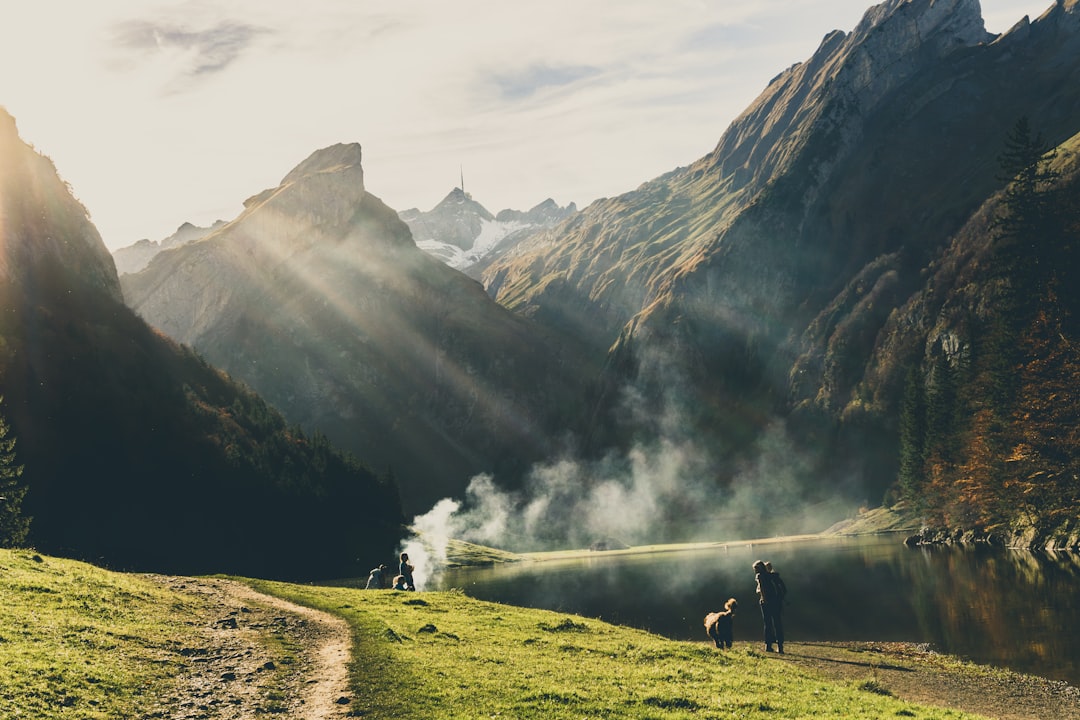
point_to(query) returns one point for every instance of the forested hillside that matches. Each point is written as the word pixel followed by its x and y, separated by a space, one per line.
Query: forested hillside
pixel 988 419
pixel 136 453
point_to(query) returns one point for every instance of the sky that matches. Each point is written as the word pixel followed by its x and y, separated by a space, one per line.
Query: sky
pixel 159 112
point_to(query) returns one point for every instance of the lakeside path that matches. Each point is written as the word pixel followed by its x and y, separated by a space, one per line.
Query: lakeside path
pixel 232 676
pixel 914 673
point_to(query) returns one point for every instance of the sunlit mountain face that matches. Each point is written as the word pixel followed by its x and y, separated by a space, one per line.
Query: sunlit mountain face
pixel 318 298
pixel 727 342
pixel 136 452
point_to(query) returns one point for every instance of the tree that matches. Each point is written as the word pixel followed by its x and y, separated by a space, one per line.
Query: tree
pixel 14 526
pixel 913 437
pixel 1027 226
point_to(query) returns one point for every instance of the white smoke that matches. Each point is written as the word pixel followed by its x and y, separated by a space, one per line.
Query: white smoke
pixel 658 491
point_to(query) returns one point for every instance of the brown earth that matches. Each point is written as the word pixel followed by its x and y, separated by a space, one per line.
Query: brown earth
pixel 258 656
pixel 915 673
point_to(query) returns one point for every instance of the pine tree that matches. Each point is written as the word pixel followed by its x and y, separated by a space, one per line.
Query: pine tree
pixel 14 526
pixel 1026 224
pixel 912 437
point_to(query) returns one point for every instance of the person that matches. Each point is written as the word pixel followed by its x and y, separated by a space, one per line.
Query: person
pixel 406 571
pixel 377 578
pixel 399 583
pixel 781 588
pixel 769 599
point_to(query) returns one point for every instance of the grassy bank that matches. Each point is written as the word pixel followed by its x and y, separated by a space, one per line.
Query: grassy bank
pixel 445 655
pixel 80 642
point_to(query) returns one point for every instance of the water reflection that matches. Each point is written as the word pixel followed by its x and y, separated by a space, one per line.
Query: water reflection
pixel 1003 607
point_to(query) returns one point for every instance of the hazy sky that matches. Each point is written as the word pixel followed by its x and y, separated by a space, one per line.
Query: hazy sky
pixel 159 112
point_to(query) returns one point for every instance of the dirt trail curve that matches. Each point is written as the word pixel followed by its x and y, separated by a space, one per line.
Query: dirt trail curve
pixel 257 655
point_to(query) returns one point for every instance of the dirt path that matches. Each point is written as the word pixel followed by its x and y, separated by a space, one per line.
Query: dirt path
pixel 912 672
pixel 257 656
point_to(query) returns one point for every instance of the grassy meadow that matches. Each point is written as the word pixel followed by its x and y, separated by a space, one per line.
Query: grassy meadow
pixel 77 641
pixel 445 655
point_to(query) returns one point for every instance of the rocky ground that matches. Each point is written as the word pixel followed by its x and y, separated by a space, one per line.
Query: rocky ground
pixel 913 672
pixel 259 656
pixel 263 656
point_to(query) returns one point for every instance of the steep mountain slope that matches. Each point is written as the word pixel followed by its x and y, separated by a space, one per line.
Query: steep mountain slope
pixel 720 282
pixel 979 366
pixel 136 452
pixel 135 257
pixel 317 297
pixel 463 234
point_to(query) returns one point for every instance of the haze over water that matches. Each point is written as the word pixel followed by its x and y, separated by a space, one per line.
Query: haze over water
pixel 1006 608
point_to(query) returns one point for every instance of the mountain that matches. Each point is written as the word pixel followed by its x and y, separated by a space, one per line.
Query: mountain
pixel 748 291
pixel 137 453
pixel 463 234
pixel 135 257
pixel 318 298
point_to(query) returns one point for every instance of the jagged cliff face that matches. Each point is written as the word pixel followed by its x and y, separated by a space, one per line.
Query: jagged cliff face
pixel 317 297
pixel 762 273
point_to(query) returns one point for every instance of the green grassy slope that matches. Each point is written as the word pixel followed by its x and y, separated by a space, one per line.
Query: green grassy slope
pixel 445 655
pixel 79 641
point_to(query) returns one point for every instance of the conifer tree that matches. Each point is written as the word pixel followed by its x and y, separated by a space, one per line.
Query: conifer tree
pixel 14 526
pixel 912 437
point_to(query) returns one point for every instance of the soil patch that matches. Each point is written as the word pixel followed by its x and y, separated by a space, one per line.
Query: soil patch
pixel 915 673
pixel 258 656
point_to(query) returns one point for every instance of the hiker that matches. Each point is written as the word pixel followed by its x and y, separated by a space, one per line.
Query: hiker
pixel 781 588
pixel 406 571
pixel 377 578
pixel 769 598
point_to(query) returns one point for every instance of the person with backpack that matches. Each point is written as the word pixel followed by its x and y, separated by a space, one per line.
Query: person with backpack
pixel 770 591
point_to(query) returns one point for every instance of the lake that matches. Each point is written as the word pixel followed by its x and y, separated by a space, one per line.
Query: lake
pixel 1010 608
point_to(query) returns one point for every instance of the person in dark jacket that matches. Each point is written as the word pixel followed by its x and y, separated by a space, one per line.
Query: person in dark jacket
pixel 406 571
pixel 769 597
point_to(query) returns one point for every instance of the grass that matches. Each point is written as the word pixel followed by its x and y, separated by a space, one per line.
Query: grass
pixel 77 641
pixel 445 655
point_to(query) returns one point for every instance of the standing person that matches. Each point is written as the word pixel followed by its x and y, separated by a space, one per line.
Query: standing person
pixel 406 571
pixel 769 598
pixel 781 588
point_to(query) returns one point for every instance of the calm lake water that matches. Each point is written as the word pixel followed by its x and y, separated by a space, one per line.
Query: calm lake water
pixel 1009 608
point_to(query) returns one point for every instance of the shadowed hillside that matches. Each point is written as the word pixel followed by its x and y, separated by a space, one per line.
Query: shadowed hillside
pixel 137 453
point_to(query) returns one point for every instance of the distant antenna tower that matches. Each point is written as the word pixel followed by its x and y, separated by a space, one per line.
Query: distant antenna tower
pixel 462 170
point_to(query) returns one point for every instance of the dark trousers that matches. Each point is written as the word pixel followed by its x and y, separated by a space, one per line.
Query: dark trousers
pixel 774 624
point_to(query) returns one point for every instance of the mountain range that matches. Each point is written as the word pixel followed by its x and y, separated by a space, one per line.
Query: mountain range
pixel 134 258
pixel 858 295
pixel 136 453
pixel 318 298
pixel 466 236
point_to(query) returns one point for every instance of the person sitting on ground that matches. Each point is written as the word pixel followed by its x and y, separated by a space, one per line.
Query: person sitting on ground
pixel 399 583
pixel 377 578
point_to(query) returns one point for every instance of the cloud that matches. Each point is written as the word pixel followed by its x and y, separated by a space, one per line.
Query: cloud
pixel 530 80
pixel 194 53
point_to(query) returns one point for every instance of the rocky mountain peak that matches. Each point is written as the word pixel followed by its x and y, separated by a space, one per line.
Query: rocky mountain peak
pixel 843 82
pixel 340 158
pixel 324 191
